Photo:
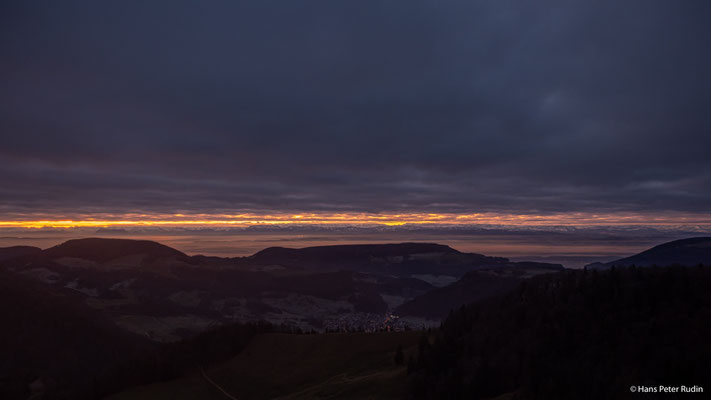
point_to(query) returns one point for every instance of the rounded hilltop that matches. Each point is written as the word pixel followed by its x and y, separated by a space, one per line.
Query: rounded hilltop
pixel 102 250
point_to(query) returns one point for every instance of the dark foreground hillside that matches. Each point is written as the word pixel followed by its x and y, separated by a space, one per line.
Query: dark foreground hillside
pixel 289 366
pixel 53 347
pixel 576 335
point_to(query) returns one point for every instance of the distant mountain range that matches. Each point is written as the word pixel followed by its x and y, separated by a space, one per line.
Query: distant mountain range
pixel 684 252
pixel 638 230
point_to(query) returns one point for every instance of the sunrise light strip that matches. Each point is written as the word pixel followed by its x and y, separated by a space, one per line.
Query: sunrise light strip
pixel 390 219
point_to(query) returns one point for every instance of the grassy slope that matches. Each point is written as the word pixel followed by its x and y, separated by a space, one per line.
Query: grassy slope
pixel 298 367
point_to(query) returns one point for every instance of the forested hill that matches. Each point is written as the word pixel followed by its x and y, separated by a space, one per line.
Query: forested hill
pixel 575 335
pixel 689 252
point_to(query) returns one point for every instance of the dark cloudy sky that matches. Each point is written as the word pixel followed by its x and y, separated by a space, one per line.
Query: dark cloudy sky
pixel 369 106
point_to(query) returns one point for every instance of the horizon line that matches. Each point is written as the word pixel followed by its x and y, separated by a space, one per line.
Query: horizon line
pixel 357 219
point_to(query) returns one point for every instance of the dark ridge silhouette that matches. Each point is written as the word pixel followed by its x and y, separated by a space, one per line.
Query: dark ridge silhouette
pixel 103 250
pixel 688 252
pixel 349 252
pixel 7 253
pixel 403 259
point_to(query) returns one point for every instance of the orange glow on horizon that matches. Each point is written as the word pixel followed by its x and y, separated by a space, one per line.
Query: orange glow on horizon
pixel 388 219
